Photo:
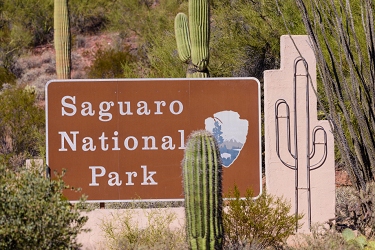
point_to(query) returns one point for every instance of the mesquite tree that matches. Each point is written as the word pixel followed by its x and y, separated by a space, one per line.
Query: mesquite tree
pixel 62 39
pixel 343 38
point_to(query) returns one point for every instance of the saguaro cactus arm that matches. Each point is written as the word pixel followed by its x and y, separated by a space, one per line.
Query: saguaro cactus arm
pixel 62 39
pixel 202 171
pixel 182 37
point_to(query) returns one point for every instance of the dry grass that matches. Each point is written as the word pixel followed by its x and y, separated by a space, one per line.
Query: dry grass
pixel 320 238
pixel 126 230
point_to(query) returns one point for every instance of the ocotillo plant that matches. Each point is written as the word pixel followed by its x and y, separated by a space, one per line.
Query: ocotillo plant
pixel 202 171
pixel 193 38
pixel 62 39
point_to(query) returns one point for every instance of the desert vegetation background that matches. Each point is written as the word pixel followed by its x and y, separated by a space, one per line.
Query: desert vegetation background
pixel 131 39
pixel 135 39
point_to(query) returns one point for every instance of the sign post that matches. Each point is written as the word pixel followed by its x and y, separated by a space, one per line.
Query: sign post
pixel 121 140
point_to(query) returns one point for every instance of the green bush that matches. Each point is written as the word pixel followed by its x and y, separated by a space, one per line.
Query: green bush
pixel 258 224
pixel 88 16
pixel 154 28
pixel 22 125
pixel 34 213
pixel 110 63
pixel 32 19
pixel 245 35
pixel 6 77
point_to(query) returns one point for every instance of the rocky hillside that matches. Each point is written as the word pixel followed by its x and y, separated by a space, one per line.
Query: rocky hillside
pixel 37 67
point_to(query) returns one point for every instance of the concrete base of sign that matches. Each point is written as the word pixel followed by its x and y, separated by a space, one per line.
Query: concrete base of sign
pixel 95 240
pixel 289 96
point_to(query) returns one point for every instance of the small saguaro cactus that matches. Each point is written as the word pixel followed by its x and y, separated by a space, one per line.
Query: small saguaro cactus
pixel 62 39
pixel 193 38
pixel 202 175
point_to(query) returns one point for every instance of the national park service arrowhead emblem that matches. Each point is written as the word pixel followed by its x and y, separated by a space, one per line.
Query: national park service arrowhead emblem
pixel 230 132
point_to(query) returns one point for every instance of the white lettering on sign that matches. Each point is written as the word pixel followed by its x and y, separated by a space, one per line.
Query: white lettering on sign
pixel 130 143
pixel 88 144
pixel 147 177
pixel 72 142
pixel 87 109
pixel 104 107
pixel 135 143
pixel 180 107
pixel 95 174
pixel 69 108
pixel 142 108
pixel 146 139
pixel 114 177
pixel 121 108
pixel 105 111
pixel 130 176
pixel 158 107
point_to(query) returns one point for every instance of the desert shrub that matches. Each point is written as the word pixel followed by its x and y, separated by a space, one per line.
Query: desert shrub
pixel 13 39
pixel 122 230
pixel 245 35
pixel 355 209
pixel 110 63
pixel 321 238
pixel 22 125
pixel 6 77
pixel 88 16
pixel 350 216
pixel 32 19
pixel 154 28
pixel 257 224
pixel 34 213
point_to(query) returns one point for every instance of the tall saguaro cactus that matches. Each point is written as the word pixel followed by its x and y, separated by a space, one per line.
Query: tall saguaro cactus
pixel 62 39
pixel 193 38
pixel 202 171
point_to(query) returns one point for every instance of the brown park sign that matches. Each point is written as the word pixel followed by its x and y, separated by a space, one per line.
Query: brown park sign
pixel 124 139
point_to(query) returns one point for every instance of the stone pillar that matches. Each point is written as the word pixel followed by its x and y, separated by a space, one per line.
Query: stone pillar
pixel 281 175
